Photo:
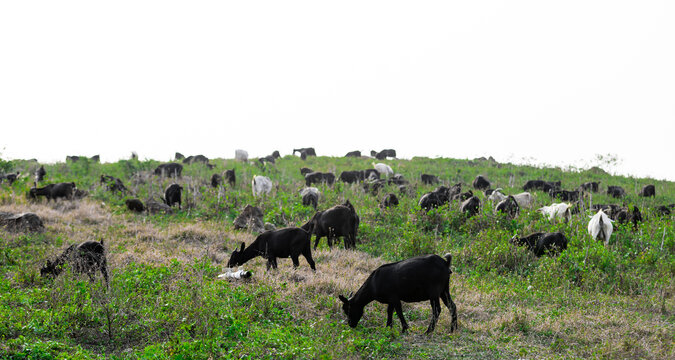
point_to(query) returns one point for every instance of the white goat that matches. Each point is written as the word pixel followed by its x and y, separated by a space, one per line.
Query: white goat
pixel 524 199
pixel 261 185
pixel 600 226
pixel 383 169
pixel 241 155
pixel 309 190
pixel 556 210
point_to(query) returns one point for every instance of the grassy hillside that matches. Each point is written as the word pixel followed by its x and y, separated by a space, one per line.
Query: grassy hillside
pixel 165 300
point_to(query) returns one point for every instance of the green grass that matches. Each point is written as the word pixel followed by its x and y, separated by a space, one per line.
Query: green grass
pixel 166 302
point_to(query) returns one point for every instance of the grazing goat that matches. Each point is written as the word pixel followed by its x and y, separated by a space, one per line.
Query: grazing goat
pixel 241 155
pixel 542 185
pixel 600 227
pixel 542 243
pixel 383 169
pixel 319 177
pixel 135 205
pixel 481 183
pixel 616 191
pixel 508 206
pixel 470 206
pixel 172 195
pixel 231 177
pixel 647 191
pixel 289 242
pixel 592 186
pixel 429 179
pixel 340 220
pixel 624 216
pixel 169 169
pixel 87 257
pixel 389 201
pixel 353 154
pixel 310 196
pixel 413 280
pixel 556 210
pixel 54 191
pixel 216 180
pixel 261 185
pixel 40 174
pixel 564 195
pixel 524 199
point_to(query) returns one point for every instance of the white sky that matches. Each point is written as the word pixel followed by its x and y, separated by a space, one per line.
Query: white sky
pixel 556 82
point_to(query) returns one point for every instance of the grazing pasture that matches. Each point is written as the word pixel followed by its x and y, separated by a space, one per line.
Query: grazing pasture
pixel 164 298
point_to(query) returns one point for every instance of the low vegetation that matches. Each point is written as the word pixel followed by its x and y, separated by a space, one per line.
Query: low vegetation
pixel 165 299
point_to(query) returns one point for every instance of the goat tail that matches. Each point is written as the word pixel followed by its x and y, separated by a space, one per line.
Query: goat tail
pixel 448 259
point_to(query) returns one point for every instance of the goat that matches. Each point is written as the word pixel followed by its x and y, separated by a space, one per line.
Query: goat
pixel 389 201
pixel 542 243
pixel 135 205
pixel 556 210
pixel 524 199
pixel 383 169
pixel 470 206
pixel 481 183
pixel 289 242
pixel 172 195
pixel 509 206
pixel 413 280
pixel 429 179
pixel 310 196
pixel 87 257
pixel 647 191
pixel 261 185
pixel 241 155
pixel 600 226
pixel 340 220
pixel 616 191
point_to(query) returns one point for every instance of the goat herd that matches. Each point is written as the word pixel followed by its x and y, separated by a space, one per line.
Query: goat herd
pixel 417 279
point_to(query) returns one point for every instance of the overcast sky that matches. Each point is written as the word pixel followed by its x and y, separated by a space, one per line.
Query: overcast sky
pixel 539 81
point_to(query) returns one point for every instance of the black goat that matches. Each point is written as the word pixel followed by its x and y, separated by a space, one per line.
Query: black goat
pixel 508 206
pixel 87 257
pixel 231 177
pixel 542 243
pixel 481 183
pixel 172 195
pixel 288 242
pixel 54 191
pixel 542 185
pixel 647 191
pixel 135 205
pixel 592 186
pixel 416 279
pixel 616 191
pixel 429 179
pixel 216 180
pixel 169 169
pixel 340 220
pixel 470 206
pixel 389 201
pixel 319 177
pixel 564 195
pixel 353 154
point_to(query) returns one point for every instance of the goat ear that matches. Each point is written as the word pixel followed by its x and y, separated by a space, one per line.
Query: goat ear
pixel 242 246
pixel 343 299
